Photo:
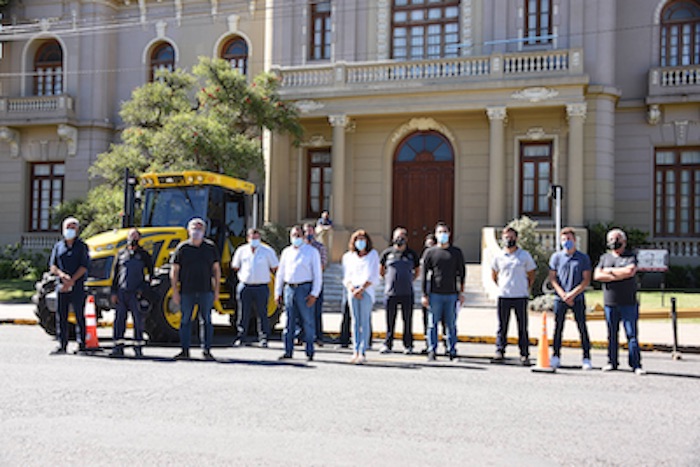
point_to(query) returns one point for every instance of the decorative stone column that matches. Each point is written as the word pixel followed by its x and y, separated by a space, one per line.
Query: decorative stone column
pixel 338 122
pixel 497 166
pixel 573 192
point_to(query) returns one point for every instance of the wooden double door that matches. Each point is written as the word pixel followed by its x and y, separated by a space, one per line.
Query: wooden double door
pixel 423 185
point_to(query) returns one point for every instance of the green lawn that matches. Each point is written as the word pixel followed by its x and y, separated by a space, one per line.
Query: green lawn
pixel 16 290
pixel 653 300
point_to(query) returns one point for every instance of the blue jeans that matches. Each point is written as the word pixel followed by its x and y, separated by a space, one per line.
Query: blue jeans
pixel 628 314
pixel 579 310
pixel 128 301
pixel 254 296
pixel 76 297
pixel 295 303
pixel 361 310
pixel 442 307
pixel 204 300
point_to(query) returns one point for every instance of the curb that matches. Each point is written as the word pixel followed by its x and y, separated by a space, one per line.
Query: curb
pixel 462 338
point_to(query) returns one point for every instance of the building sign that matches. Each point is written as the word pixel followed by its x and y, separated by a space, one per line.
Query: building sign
pixel 652 260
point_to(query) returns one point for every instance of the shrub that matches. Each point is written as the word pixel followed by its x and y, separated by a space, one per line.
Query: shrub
pixel 682 277
pixel 636 238
pixel 16 263
pixel 529 240
pixel 275 235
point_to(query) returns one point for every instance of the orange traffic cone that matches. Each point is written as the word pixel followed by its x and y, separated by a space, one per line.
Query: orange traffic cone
pixel 91 342
pixel 543 365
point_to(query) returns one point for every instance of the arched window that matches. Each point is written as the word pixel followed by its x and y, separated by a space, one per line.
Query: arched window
pixel 235 51
pixel 48 69
pixel 680 33
pixel 425 147
pixel 162 58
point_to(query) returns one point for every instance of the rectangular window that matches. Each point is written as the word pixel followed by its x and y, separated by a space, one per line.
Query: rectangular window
pixel 319 173
pixel 320 47
pixel 424 29
pixel 538 21
pixel 677 192
pixel 46 192
pixel 535 179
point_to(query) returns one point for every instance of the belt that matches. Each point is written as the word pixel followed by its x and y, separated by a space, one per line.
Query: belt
pixel 254 285
pixel 294 286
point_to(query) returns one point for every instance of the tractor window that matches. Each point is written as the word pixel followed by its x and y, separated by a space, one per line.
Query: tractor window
pixel 235 215
pixel 174 207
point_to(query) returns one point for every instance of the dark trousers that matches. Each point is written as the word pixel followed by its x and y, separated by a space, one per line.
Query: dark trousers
pixel 318 315
pixel 519 305
pixel 579 310
pixel 392 308
pixel 629 315
pixel 77 298
pixel 254 296
pixel 128 301
pixel 345 325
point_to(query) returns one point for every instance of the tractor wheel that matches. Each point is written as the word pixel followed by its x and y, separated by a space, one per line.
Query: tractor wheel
pixel 47 319
pixel 163 319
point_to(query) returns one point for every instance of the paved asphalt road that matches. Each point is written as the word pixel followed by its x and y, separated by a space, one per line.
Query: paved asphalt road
pixel 250 409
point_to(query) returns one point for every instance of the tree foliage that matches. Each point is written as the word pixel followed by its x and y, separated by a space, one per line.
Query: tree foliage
pixel 211 119
pixel 529 240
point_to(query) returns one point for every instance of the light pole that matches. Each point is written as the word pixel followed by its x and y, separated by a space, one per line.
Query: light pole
pixel 556 192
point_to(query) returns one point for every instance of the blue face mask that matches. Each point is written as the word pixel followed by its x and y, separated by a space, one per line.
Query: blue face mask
pixel 442 237
pixel 69 234
pixel 255 242
pixel 567 244
pixel 360 244
pixel 297 241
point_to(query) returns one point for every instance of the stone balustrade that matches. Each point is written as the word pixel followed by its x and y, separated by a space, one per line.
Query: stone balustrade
pixel 17 109
pixel 679 248
pixel 668 81
pixel 494 66
pixel 39 241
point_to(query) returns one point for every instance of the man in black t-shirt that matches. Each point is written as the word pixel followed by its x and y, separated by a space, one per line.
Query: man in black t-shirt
pixel 616 270
pixel 196 269
pixel 398 266
pixel 443 283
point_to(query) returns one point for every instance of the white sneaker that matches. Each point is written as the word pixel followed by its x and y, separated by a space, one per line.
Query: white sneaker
pixel 640 371
pixel 408 351
pixel 385 349
pixel 586 364
pixel 609 367
pixel 555 362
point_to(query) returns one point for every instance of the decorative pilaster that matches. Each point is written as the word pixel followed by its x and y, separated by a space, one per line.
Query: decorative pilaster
pixel 338 192
pixel 576 114
pixel 497 165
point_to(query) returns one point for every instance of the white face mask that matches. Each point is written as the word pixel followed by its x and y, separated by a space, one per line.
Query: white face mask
pixel 197 234
pixel 297 241
pixel 69 234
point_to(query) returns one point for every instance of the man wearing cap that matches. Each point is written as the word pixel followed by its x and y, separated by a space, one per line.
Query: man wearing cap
pixel 253 263
pixel 69 262
pixel 130 282
pixel 300 278
pixel 195 278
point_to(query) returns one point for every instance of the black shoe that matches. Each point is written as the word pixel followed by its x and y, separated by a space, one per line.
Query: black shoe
pixel 424 351
pixel 208 356
pixel 309 358
pixel 525 360
pixel 138 352
pixel 453 356
pixel 58 351
pixel 285 356
pixel 117 352
pixel 184 355
pixel 319 343
pixel 236 342
pixel 263 344
pixel 431 356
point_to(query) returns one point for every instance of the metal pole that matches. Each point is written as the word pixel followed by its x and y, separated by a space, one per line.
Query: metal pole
pixel 557 215
pixel 675 354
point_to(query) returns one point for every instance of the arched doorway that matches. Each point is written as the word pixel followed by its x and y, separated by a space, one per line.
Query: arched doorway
pixel 423 184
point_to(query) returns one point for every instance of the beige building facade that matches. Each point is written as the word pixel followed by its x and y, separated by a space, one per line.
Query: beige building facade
pixel 414 111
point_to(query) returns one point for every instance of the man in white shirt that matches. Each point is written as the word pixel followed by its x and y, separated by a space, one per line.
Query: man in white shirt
pixel 298 285
pixel 253 263
pixel 513 269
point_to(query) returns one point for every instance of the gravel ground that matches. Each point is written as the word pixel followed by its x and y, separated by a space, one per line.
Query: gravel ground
pixel 249 409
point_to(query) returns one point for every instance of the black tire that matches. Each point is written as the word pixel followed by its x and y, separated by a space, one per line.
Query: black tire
pixel 158 326
pixel 47 319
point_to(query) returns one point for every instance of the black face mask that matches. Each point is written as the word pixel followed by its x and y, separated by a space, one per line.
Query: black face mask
pixel 134 243
pixel 616 245
pixel 400 241
pixel 510 243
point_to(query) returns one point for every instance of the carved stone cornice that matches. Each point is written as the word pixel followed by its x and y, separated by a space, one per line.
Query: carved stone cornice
pixel 339 120
pixel 497 113
pixel 307 106
pixel 576 110
pixel 535 94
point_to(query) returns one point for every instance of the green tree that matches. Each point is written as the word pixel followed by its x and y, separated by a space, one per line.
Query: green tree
pixel 529 240
pixel 211 119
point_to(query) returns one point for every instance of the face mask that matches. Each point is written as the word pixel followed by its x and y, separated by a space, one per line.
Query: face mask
pixel 615 245
pixel 69 234
pixel 442 237
pixel 567 244
pixel 134 242
pixel 310 237
pixel 297 241
pixel 255 242
pixel 197 234
pixel 510 242
pixel 360 244
pixel 400 241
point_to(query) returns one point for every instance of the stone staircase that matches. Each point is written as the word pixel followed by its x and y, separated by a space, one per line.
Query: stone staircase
pixel 333 289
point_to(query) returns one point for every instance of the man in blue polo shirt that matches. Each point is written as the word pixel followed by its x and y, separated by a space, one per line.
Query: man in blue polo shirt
pixel 570 274
pixel 69 263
